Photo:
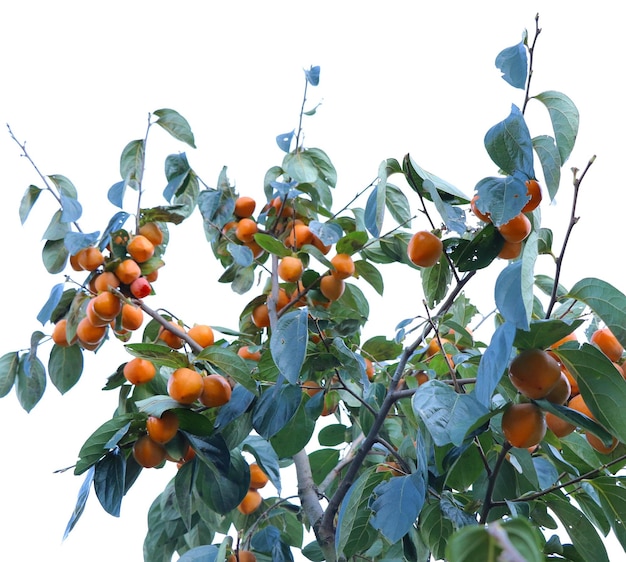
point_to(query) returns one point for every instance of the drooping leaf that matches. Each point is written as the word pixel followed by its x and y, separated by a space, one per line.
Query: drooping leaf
pixel 512 302
pixel 54 255
pixel 375 210
pixel 513 63
pixel 435 529
pixel 203 553
pixel 65 366
pixel 328 232
pixel 313 75
pixel 160 355
pixel 100 441
pixel 448 416
pixel 72 209
pixel 53 300
pixel 224 490
pixel 229 363
pixel 288 343
pixel 269 541
pixel 550 159
pixel 109 481
pixel 30 381
pixel 509 145
pixel 275 408
pixel 212 450
pixel 370 273
pixel 83 494
pixel 543 333
pixel 612 495
pixel 265 456
pixel 57 229
pixel 435 282
pixel 131 162
pixel 296 433
pixel 240 401
pixel 398 205
pixel 9 364
pixel 183 488
pixel 415 175
pixel 176 125
pixel 502 197
pixel 28 201
pixel 115 194
pixel 565 120
pixel 477 253
pixel 452 215
pixel 75 241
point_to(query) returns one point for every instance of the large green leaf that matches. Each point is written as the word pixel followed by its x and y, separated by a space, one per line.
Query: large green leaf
pixel 370 273
pixel 565 120
pixel 416 176
pixel 54 255
pixel 9 364
pixel 65 366
pixel 288 343
pixel 100 441
pixel 276 407
pixel 30 381
pixel 109 481
pixel 322 462
pixel 295 435
pixel 606 301
pixel 223 492
pixel 131 162
pixel 300 166
pixel 550 159
pixel 435 529
pixel 229 363
pixel 28 200
pixel 176 125
pixel 612 494
pixel 158 354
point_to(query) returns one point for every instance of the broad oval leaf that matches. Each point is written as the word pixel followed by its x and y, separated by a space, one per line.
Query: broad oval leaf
pixel 513 63
pixel 502 197
pixel 75 241
pixel 275 408
pixel 9 364
pixel 272 245
pixel 224 490
pixel 131 162
pixel 370 273
pixel 30 381
pixel 204 553
pixel 72 209
pixel 565 120
pixel 313 75
pixel 54 255
pixel 100 441
pixel 160 355
pixel 176 125
pixel 265 456
pixel 109 479
pixel 300 167
pixel 53 300
pixel 65 366
pixel 284 141
pixel 28 201
pixel 416 176
pixel 511 300
pixel 57 229
pixel 550 159
pixel 288 343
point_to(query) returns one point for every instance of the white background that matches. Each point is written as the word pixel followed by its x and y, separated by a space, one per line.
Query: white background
pixel 78 81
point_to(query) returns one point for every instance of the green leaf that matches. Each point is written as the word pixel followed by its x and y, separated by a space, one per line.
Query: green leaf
pixel 265 457
pixel 54 255
pixel 601 385
pixel 81 501
pixel 583 534
pixel 288 343
pixel 30 381
pixel 398 205
pixel 606 301
pixel 354 532
pixel 565 120
pixel 375 209
pixel 275 408
pixel 64 185
pixel 9 364
pixel 71 209
pixel 416 176
pixel 332 435
pixel 380 348
pixel 447 415
pixel 157 404
pixel 203 553
pixel 612 494
pixel 223 492
pixel 322 462
pixel 300 166
pixel 183 487
pixel 371 274
pixel 352 242
pixel 160 355
pixel 543 333
pixel 100 441
pixel 295 435
pixel 435 282
pixel 176 125
pixel 229 363
pixel 272 245
pixel 109 481
pixel 326 171
pixel 65 366
pixel 513 63
pixel 28 201
pixel 131 162
pixel 435 529
pixel 550 159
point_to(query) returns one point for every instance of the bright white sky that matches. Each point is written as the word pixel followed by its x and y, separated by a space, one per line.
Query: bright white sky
pixel 79 80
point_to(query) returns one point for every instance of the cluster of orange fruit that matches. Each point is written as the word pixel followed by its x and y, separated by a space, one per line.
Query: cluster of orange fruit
pixel 538 374
pixel 105 309
pixel 518 228
pixel 253 499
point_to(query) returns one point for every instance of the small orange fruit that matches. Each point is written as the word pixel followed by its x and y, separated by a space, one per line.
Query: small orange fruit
pixel 559 426
pixel 607 343
pixel 390 466
pixel 250 503
pixel 324 248
pixel 598 445
pixel 140 248
pixel 534 372
pixel 139 371
pixel 534 191
pixel 517 229
pixel 59 333
pixel 246 229
pixel 244 207
pixel 290 269
pixel 107 306
pixel 258 478
pixel 369 368
pixel 242 556
pixel 343 266
pixel 568 337
pixel 90 258
pixel 560 392
pixel 147 452
pixel 92 315
pixel 433 346
pixel 74 262
pixel 332 287
pixel 424 249
pixel 132 317
pixel 523 425
pixel 105 280
pixel 162 429
pixel 245 353
pixel 185 385
pixel 152 232
pixel 485 217
pixel 261 316
pixel 311 387
pixel 87 333
pixel 128 271
pixel 578 403
pixel 299 236
pixel 215 391
pixel 169 337
pixel 202 335
pixel 510 250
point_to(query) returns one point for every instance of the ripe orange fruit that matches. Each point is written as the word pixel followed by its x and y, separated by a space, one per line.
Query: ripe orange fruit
pixel 215 391
pixel 320 245
pixel 424 249
pixel 87 333
pixel 171 339
pixel 510 250
pixel 128 271
pixel 607 343
pixel 422 377
pixel 311 387
pixel 105 280
pixel 332 287
pixel 559 426
pixel 534 372
pixel 523 425
pixel 132 317
pixel 517 229
pixel 290 269
pixel 245 353
pixel 140 248
pixel 250 503
pixel 597 444
pixel 246 229
pixel 261 316
pixel 242 556
pixel 152 276
pixel 152 232
pixel 258 478
pixel 299 236
pixel 185 385
pixel 74 262
pixel 433 346
pixel 202 334
pixel 485 217
pixel 570 378
pixel 534 190
pixel 244 207
pixel 107 306
pixel 568 337
pixel 560 392
pixel 254 248
pixel 92 315
pixel 90 258
pixel 139 371
pixel 147 452
pixel 578 403
pixel 282 208
pixel 163 429
pixel 390 466
pixel 59 333
pixel 369 368
pixel 343 266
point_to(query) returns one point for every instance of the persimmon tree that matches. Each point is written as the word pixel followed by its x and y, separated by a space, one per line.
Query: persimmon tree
pixel 423 442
